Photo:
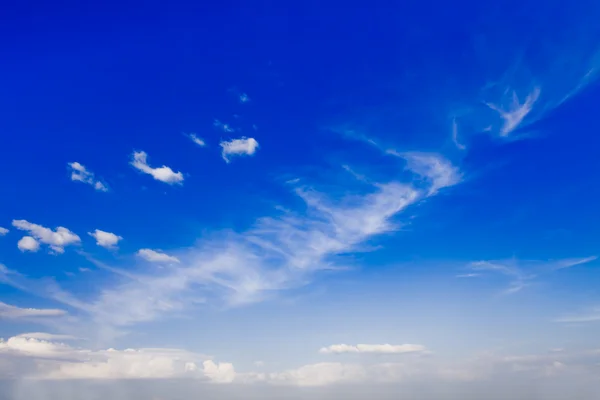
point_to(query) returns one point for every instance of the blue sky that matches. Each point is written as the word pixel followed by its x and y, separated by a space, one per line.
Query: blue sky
pixel 305 195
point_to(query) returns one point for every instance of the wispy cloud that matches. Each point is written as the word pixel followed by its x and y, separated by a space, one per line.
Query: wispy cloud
pixel 196 139
pixel 46 336
pixel 591 315
pixel 513 113
pixel 164 174
pixel 458 145
pixel 238 147
pixel 3 231
pixel 244 98
pixel 80 173
pixel 14 312
pixel 156 256
pixel 105 239
pixel 522 273
pixel 278 253
pixel 57 239
pixel 373 349
pixel 222 126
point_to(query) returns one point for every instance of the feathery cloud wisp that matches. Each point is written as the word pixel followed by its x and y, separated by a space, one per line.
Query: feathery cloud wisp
pixel 13 312
pixel 198 140
pixel 278 253
pixel 156 256
pixel 163 174
pixel 222 126
pixel 3 231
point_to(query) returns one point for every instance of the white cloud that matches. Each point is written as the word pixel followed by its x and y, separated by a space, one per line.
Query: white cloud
pixel 224 127
pixel 591 315
pixel 3 231
pixel 80 173
pixel 199 141
pixel 219 373
pixel 515 112
pixel 438 171
pixel 60 361
pixel 156 256
pixel 27 243
pixel 523 272
pixel 321 374
pixel 57 239
pixel 244 98
pixel 238 147
pixel 458 145
pixel 373 348
pixel 276 254
pixel 46 336
pixel 10 311
pixel 163 174
pixel 105 239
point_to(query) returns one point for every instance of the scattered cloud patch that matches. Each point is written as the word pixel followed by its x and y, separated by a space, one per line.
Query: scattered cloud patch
pixel 235 268
pixel 591 315
pixel 458 145
pixel 53 360
pixel 238 147
pixel 515 112
pixel 373 349
pixel 522 273
pixel 14 312
pixel 437 170
pixel 156 256
pixel 244 98
pixel 104 239
pixel 163 174
pixel 46 336
pixel 198 140
pixel 79 173
pixel 222 126
pixel 3 231
pixel 57 239
pixel 27 243
pixel 219 373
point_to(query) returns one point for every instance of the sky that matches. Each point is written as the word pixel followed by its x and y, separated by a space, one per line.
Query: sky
pixel 319 200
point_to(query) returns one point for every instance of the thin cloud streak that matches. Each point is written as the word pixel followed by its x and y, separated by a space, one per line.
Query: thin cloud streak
pixel 278 253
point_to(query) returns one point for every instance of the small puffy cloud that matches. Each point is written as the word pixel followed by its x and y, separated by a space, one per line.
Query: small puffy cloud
pixel 156 256
pixel 14 312
pixel 373 349
pixel 27 243
pixel 163 174
pixel 105 239
pixel 57 239
pixel 219 373
pixel 238 147
pixel 199 141
pixel 244 98
pixel 222 126
pixel 3 231
pixel 80 173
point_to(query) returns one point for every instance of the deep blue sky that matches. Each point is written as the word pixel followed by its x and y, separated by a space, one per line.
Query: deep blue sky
pixel 485 113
